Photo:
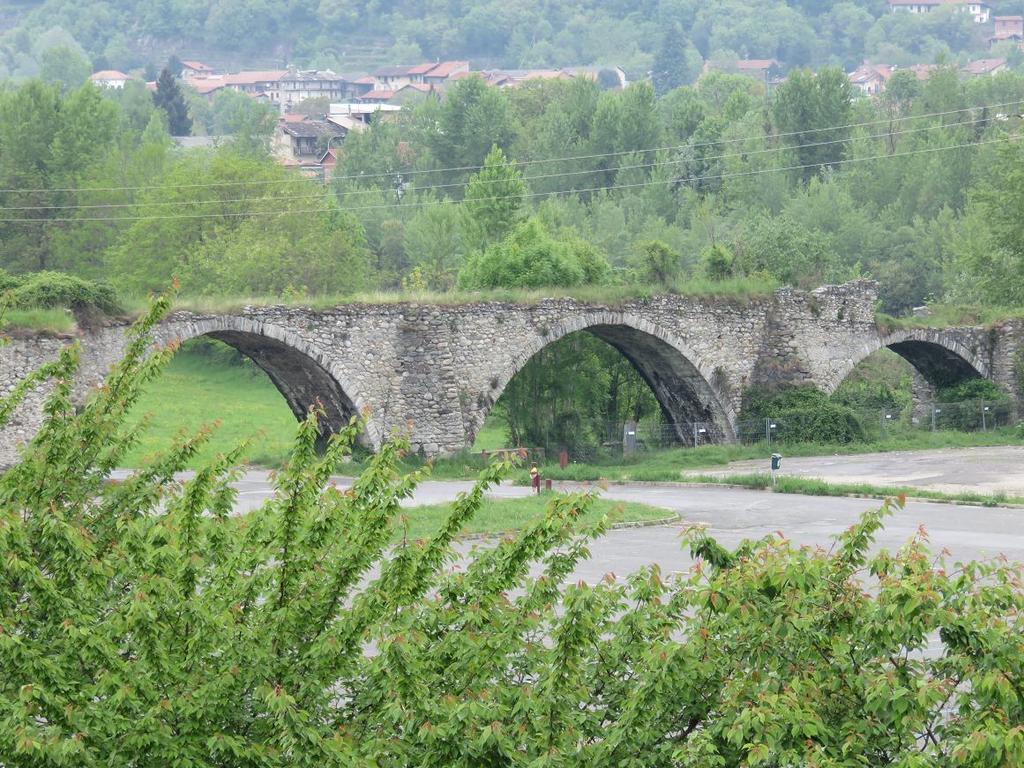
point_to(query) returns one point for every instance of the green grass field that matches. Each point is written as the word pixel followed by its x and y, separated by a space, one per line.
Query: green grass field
pixel 500 515
pixel 197 390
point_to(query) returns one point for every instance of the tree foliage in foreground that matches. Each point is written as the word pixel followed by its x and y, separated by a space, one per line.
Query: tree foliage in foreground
pixel 141 624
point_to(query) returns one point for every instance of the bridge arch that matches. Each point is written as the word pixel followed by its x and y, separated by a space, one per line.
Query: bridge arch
pixel 301 372
pixel 937 355
pixel 686 386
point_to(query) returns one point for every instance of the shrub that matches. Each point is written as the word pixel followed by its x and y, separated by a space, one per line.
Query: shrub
pixel 142 625
pixel 804 414
pixel 58 290
pixel 972 389
pixel 530 257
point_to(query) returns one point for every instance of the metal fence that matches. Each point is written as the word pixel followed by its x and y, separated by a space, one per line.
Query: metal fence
pixel 876 425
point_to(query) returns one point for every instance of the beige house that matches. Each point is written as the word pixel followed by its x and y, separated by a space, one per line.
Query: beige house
pixel 109 78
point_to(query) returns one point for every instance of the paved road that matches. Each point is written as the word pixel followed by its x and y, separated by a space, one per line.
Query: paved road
pixel 732 515
pixel 986 470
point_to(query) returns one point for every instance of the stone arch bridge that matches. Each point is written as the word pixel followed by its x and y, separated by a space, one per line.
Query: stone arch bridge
pixel 437 370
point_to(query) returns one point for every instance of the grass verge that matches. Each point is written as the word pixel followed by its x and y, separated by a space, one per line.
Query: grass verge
pixel 501 515
pixel 812 487
pixel 49 320
pixel 670 465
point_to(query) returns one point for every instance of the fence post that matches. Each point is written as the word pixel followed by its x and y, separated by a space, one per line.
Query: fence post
pixel 934 412
pixel 768 431
pixel 984 420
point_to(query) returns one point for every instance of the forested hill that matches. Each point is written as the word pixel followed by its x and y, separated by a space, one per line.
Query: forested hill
pixel 347 35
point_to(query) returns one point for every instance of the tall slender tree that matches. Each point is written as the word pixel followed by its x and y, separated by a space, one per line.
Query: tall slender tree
pixel 170 99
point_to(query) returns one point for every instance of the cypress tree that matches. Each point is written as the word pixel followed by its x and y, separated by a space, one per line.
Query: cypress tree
pixel 169 98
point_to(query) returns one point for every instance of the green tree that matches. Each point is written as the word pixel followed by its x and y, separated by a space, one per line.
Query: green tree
pixel 717 262
pixel 250 122
pixel 66 66
pixel 493 200
pixel 786 250
pixel 169 98
pixel 530 257
pixel 988 247
pixel 676 63
pixel 472 119
pixel 434 244
pixel 238 238
pixel 658 264
pixel 812 110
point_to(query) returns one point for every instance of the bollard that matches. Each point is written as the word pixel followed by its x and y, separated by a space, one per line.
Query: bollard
pixel 547 483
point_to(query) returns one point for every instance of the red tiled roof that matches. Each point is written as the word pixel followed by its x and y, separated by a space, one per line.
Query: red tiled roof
pixel 867 72
pixel 293 117
pixel 983 66
pixel 448 68
pixel 109 74
pixel 255 76
pixel 205 85
pixel 198 66
pixel 422 87
pixel 421 69
pixel 378 94
pixel 746 64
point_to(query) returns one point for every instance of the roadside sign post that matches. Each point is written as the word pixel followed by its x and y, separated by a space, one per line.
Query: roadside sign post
pixel 697 432
pixel 629 438
pixel 984 417
pixel 776 465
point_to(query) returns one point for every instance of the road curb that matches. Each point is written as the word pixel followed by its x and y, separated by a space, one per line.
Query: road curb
pixel 675 518
pixel 878 497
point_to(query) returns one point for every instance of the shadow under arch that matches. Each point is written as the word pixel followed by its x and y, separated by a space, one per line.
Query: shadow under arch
pixel 941 359
pixel 683 384
pixel 300 372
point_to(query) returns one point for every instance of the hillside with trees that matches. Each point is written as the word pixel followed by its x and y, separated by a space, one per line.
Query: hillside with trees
pixel 643 36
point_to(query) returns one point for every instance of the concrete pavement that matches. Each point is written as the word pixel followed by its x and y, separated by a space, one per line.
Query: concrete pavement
pixel 952 470
pixel 732 515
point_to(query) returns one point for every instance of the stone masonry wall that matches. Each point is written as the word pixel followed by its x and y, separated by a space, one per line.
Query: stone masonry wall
pixel 437 370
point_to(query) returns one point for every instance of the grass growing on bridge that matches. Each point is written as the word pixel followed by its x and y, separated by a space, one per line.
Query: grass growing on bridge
pixel 951 316
pixel 44 319
pixel 739 288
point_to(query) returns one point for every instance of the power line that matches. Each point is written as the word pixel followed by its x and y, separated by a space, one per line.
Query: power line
pixel 430 187
pixel 521 163
pixel 605 188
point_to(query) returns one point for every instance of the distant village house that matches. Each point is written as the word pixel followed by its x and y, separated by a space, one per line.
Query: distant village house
pixel 109 78
pixel 981 12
